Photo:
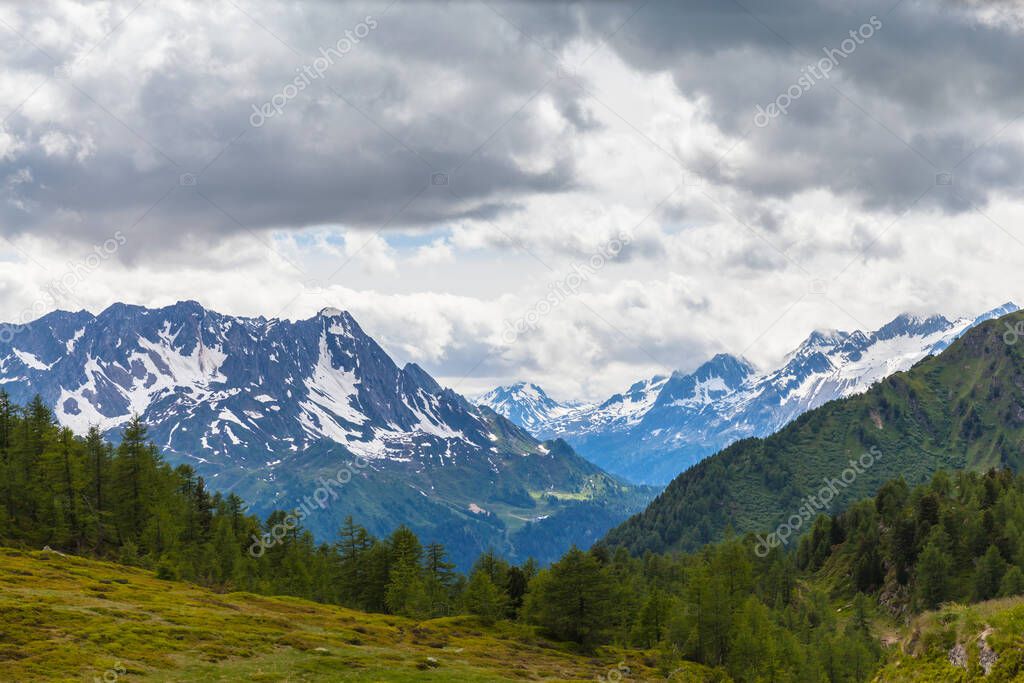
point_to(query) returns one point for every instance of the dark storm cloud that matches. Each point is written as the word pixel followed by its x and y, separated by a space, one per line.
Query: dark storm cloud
pixel 422 122
pixel 446 89
pixel 910 102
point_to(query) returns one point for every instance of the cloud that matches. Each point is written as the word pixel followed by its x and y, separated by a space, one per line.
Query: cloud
pixel 372 251
pixel 172 90
pixel 447 167
pixel 929 86
pixel 438 251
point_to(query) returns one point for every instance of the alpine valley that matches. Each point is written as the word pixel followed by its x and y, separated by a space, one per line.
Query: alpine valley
pixel 273 410
pixel 661 426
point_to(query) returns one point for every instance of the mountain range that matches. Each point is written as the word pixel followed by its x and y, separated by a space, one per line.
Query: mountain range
pixel 961 409
pixel 275 410
pixel 662 425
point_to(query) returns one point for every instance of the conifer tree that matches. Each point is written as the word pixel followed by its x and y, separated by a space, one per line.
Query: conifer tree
pixel 989 574
pixel 933 569
pixel 1012 583
pixel 653 619
pixel 97 476
pixel 134 463
pixel 574 599
pixel 440 580
pixel 484 599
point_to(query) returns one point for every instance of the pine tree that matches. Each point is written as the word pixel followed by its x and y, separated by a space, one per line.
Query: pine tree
pixel 352 547
pixel 484 599
pixel 7 467
pixel 134 464
pixel 69 479
pixel 495 568
pixel 440 580
pixel 933 569
pixel 860 622
pixel 752 642
pixel 376 576
pixel 405 592
pixel 868 572
pixel 228 552
pixel 653 619
pixel 891 500
pixel 97 474
pixel 32 490
pixel 439 568
pixel 1012 583
pixel 518 583
pixel 574 599
pixel 902 548
pixel 989 574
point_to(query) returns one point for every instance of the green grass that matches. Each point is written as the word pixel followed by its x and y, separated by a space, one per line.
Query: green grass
pixel 922 654
pixel 65 618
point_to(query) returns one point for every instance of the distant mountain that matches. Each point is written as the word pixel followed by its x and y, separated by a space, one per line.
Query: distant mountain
pixel 619 411
pixel 962 409
pixel 272 409
pixel 661 426
pixel 525 404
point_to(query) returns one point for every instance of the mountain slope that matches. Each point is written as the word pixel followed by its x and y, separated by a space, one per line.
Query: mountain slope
pixel 278 410
pixel 961 409
pixel 662 426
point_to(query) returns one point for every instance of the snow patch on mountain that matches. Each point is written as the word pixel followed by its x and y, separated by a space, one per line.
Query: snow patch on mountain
pixel 30 360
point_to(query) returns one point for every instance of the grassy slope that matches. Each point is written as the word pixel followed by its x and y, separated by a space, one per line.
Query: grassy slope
pixel 922 655
pixel 68 618
pixel 963 408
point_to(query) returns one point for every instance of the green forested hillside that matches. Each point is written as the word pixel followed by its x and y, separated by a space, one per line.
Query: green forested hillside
pixel 961 409
pixel 849 605
pixel 821 609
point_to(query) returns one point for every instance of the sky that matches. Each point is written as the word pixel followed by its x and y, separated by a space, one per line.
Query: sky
pixel 580 195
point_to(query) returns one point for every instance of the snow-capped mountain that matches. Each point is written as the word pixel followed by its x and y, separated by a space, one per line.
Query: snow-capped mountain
pixel 663 425
pixel 265 406
pixel 525 403
pixel 215 387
